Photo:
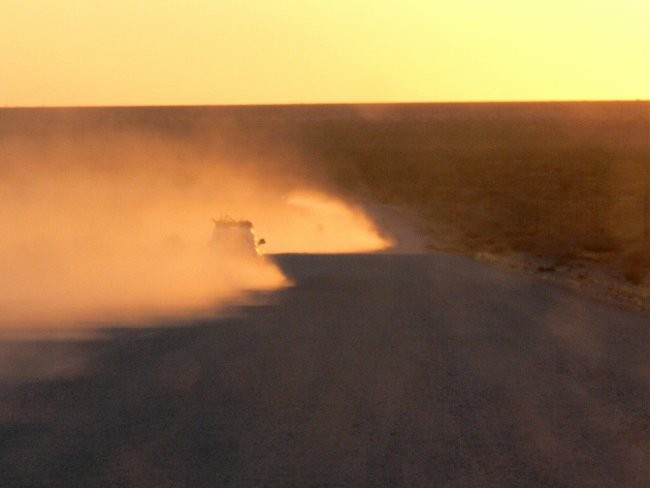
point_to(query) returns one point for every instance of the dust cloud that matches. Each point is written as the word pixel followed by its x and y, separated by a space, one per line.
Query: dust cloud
pixel 97 229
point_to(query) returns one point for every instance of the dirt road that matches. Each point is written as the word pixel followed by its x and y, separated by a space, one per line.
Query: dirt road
pixel 374 370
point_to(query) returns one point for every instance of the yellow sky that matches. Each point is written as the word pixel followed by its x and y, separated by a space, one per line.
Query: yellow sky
pixel 151 52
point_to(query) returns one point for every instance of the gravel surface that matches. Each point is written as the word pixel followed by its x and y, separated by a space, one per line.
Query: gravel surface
pixel 373 370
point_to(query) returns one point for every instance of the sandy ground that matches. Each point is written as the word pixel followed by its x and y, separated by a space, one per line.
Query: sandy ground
pixel 374 370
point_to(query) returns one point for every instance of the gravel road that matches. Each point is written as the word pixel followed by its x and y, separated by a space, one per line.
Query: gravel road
pixel 373 370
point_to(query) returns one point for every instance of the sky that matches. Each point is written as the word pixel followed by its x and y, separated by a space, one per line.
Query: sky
pixel 201 52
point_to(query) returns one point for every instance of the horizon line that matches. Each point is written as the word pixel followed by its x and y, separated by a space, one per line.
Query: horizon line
pixel 316 104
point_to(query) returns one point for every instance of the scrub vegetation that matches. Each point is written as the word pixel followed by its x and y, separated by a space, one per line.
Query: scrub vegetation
pixel 566 181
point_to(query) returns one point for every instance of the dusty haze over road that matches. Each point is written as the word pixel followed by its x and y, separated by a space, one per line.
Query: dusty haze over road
pixel 114 224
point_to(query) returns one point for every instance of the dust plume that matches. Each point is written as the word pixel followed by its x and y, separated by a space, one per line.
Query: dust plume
pixel 118 227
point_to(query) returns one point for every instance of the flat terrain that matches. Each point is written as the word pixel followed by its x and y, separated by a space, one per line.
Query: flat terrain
pixel 374 370
pixel 568 182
